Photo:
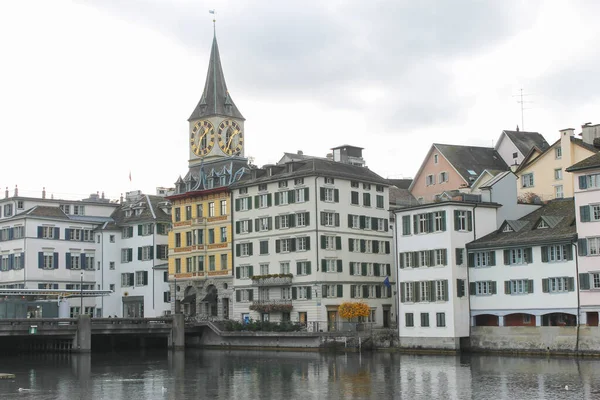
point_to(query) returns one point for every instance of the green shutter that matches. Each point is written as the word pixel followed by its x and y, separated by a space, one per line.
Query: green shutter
pixel 237 272
pixel 308 268
pixel 545 286
pixel 237 249
pixel 294 293
pixel 322 194
pixel 416 223
pixel 256 201
pixel 363 267
pixel 493 287
pixel 340 289
pixel 506 257
pixel 445 285
pixel 582 182
pixel 336 195
pixel 139 230
pixel 530 286
pixel 492 258
pixel 306 195
pixel 323 265
pixel 582 247
pixel 401 260
pixel 352 291
pixel 456 221
pixel 472 289
pixel 238 295
pixel 324 293
pixel 443 220
pixel 544 254
pixel 444 257
pixel 338 242
pixel 339 266
pixel 506 287
pixel 276 199
pixel 571 282
pixel 584 281
pixel 584 213
pixel 308 292
pixel 350 244
pixel 351 268
pixel 471 260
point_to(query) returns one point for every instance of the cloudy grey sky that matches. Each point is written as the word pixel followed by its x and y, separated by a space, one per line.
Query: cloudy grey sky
pixel 93 89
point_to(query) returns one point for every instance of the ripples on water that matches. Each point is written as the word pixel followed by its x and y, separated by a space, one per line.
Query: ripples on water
pixel 212 374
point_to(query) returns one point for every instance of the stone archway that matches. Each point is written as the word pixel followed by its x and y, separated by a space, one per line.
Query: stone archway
pixel 189 301
pixel 211 300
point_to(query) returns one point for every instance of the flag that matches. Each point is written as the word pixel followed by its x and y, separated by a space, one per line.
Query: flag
pixel 129 176
pixel 386 282
pixel 211 11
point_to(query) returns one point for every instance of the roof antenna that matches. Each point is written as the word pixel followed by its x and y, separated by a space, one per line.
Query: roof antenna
pixel 523 108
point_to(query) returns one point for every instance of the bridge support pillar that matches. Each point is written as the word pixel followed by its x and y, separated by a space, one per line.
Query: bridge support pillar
pixel 82 343
pixel 177 335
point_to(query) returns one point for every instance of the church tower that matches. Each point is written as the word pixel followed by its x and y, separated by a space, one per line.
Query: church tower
pixel 216 126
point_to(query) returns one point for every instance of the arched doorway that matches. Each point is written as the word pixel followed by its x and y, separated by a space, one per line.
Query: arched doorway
pixel 519 319
pixel 189 301
pixel 210 300
pixel 559 319
pixel 486 320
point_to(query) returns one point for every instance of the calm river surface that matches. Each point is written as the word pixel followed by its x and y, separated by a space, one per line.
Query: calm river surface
pixel 213 374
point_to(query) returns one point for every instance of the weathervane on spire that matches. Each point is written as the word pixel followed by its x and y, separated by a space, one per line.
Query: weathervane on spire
pixel 214 21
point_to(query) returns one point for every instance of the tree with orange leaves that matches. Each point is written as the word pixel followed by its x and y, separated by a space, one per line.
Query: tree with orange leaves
pixel 350 310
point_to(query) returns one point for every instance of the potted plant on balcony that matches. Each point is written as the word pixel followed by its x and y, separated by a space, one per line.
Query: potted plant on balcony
pixel 352 311
pixel 269 308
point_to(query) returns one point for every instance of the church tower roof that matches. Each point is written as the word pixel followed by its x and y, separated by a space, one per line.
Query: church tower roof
pixel 215 99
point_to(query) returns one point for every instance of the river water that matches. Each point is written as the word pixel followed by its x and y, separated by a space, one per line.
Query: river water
pixel 214 374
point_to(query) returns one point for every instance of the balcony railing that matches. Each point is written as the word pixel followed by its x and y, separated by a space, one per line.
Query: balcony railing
pixel 272 281
pixel 267 306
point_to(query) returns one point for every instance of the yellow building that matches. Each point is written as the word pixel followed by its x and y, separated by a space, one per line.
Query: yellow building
pixel 200 251
pixel 542 173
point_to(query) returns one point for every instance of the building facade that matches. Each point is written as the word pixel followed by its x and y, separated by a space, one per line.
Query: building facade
pixel 310 235
pixel 524 274
pixel 586 177
pixel 432 270
pixel 200 250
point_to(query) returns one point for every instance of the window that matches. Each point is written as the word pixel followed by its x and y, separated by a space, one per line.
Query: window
pixel 166 297
pixel 223 207
pixel 329 194
pixel 141 278
pixel 424 291
pixel 483 259
pixel 595 278
pixel 409 320
pixel 111 265
pixel 557 285
pixel 127 279
pixel 368 224
pixel 556 253
pixel 162 251
pixel 329 181
pixel 263 224
pixel 527 180
pixel 330 265
pixel 177 214
pixel 515 155
pixel 188 213
pixel 66 208
pixel 407 260
pixel 178 265
pixel 439 219
pixel 507 228
pixel 285 245
pixel 211 236
pixel 558 153
pixel 302 244
pixel 484 288
pixel 283 184
pixel 367 199
pixel 244 295
pixel 329 242
pixel 463 220
pixel 111 238
pixel 245 249
pixel 223 262
pixel 443 177
pixel 126 232
pixel 558 174
pixel 518 256
pixel 328 218
pixel 301 219
pixel 518 286
pixel 145 253
pixel 126 255
pixel 354 221
pixel 354 198
pixel 244 203
pixel 435 158
pixel 78 210
pixel 211 263
pixel 211 209
pixel 381 224
pixel 284 221
pixel 189 265
pixel 441 290
pixel 111 287
pixel 301 195
pixel 440 319
pixel 595 212
pixel 299 181
pixel 281 198
pixel 558 192
pixel 303 292
pixel 245 272
pixel 18 232
pixel 423 224
pixel 223 234
pixel 264 247
pixel 262 187
pixel 303 268
pixel 47 232
pixel 201 263
pixel 284 267
pixel 264 269
pixel 178 239
pixel 424 320
pixel 264 200
pixel 460 256
pixel 199 211
pixel 354 184
pixel 380 202
pixel 429 180
pixel 286 293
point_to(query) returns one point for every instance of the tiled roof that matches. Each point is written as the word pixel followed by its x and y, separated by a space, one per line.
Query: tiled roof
pixel 45 211
pixel 476 159
pixel 215 99
pixel 585 145
pixel 401 197
pixel 400 183
pixel 150 211
pixel 591 162
pixel 311 167
pixel 560 212
pixel 525 141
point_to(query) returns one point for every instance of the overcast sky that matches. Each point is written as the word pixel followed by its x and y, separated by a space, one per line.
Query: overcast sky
pixel 93 89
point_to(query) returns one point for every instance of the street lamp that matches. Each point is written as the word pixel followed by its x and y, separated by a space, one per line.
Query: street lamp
pixel 81 293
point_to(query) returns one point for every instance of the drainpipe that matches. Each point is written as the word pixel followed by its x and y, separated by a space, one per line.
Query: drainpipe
pixel 576 256
pixel 468 279
pixel 317 246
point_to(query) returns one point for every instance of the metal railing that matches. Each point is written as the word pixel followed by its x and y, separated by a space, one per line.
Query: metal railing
pixel 273 281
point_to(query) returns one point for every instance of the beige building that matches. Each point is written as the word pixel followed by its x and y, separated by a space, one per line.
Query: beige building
pixel 542 175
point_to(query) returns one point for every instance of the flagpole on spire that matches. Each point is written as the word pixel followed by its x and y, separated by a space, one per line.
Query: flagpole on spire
pixel 214 22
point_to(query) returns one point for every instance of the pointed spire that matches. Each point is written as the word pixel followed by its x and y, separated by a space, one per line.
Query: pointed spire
pixel 215 99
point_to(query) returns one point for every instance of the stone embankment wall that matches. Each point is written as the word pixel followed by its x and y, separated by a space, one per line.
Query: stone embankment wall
pixel 538 339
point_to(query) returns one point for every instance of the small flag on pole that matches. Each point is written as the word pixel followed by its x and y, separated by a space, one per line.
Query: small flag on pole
pixel 211 11
pixel 386 282
pixel 129 176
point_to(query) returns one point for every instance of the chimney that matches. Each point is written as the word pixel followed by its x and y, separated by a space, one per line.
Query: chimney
pixel 121 198
pixel 16 191
pixel 590 132
pixel 565 144
pixel 103 195
pixel 300 152
pixel 43 193
pixel 6 193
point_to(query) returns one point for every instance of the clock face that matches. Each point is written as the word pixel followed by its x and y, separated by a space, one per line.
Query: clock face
pixel 202 138
pixel 231 137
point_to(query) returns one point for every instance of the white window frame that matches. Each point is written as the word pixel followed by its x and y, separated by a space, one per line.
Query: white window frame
pixel 423 291
pixel 558 284
pixel 440 293
pixel 300 219
pixel 593 246
pixel 558 175
pixel 301 243
pixel 263 224
pixel 328 218
pixel 245 226
pixel 330 265
pixel 355 222
pixel 558 153
pixel 244 249
pixel 284 267
pixel 303 267
pixel 300 195
pixel 559 191
pixel 47 232
pixel 482 259
pixel 518 286
pixel 329 195
pixel 527 180
pixel 483 288
pixel 430 180
pixel 263 200
pixel 283 197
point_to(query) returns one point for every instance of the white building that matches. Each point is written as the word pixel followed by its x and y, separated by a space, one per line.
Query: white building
pixel 524 273
pixel 308 236
pixel 134 255
pixel 432 274
pixel 514 146
pixel 586 175
pixel 50 244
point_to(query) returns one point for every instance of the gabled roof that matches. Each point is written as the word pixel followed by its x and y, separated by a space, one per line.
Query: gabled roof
pixel 216 99
pixel 45 211
pixel 559 214
pixel 151 212
pixel 400 183
pixel 579 142
pixel 592 162
pixel 471 158
pixel 497 178
pixel 525 141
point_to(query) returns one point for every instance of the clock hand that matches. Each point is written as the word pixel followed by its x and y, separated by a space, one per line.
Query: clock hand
pixel 201 137
pixel 231 138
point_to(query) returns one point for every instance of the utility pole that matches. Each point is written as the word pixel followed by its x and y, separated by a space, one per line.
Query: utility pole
pixel 522 102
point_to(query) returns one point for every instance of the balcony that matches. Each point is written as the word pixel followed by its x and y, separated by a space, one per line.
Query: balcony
pixel 272 280
pixel 269 306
